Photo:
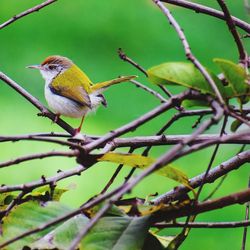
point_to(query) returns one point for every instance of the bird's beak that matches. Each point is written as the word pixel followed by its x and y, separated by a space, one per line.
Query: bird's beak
pixel 34 67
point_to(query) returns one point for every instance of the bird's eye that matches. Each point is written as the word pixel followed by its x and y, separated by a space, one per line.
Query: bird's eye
pixel 51 67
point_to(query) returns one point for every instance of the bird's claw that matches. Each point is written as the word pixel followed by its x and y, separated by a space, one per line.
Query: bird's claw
pixel 44 113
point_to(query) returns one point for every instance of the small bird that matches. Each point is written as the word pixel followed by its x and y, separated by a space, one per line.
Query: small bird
pixel 69 91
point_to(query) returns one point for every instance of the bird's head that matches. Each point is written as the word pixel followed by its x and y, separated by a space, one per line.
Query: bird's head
pixel 52 66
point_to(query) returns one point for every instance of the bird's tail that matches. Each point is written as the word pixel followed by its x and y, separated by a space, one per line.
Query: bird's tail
pixel 99 87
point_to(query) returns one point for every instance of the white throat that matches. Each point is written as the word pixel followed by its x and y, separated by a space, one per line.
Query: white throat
pixel 48 76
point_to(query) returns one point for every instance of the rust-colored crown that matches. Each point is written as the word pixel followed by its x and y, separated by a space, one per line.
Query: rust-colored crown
pixel 64 61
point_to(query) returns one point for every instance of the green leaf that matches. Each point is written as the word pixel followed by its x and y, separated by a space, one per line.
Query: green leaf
pixel 26 217
pixel 183 74
pixel 117 233
pixel 194 103
pixel 109 233
pixel 6 199
pixel 113 211
pixel 152 242
pixel 46 191
pixel 235 125
pixel 139 161
pixel 236 77
pixel 165 240
pixel 63 235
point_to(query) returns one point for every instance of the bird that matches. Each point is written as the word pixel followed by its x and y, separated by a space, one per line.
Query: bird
pixel 69 91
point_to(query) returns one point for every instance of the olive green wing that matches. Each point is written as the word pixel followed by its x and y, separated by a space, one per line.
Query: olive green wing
pixel 74 85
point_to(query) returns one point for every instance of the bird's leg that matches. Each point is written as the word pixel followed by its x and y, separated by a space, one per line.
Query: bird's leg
pixel 78 130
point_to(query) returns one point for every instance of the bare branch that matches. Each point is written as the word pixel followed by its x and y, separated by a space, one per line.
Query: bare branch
pixel 217 172
pixel 142 141
pixel 235 198
pixel 41 139
pixel 212 157
pixel 36 103
pixel 124 57
pixel 232 29
pixel 198 8
pixel 136 123
pixel 246 219
pixel 90 224
pixel 222 225
pixel 27 12
pixel 188 51
pixel 43 181
pixel 151 91
pixel 38 156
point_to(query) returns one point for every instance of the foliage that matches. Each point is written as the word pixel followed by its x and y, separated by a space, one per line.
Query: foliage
pixel 33 215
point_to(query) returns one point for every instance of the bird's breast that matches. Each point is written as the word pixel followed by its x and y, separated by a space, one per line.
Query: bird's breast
pixel 63 105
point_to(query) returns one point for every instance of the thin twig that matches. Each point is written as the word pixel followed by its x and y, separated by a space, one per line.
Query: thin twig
pixel 41 139
pixel 162 161
pixel 198 8
pixel 191 218
pixel 137 141
pixel 27 12
pixel 90 224
pixel 231 26
pixel 124 57
pixel 216 188
pixel 138 122
pixel 38 156
pixel 244 240
pixel 115 174
pixel 222 225
pixel 188 51
pixel 36 103
pixel 43 181
pixel 149 90
pixel 217 172
pixel 235 198
pixel 222 179
pixel 238 117
pixel 212 157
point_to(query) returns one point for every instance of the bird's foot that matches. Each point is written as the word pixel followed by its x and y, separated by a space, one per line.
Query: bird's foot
pixel 77 135
pixel 76 131
pixel 44 113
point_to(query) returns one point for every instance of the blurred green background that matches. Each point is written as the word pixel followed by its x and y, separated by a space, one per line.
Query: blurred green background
pixel 90 32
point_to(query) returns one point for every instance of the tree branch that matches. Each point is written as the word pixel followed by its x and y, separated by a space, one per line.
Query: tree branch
pixel 222 225
pixel 27 12
pixel 38 156
pixel 217 172
pixel 136 123
pixel 188 51
pixel 43 181
pixel 235 198
pixel 124 57
pixel 198 8
pixel 151 91
pixel 36 103
pixel 231 26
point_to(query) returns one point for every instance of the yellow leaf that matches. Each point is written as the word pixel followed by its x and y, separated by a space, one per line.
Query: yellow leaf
pixel 132 160
pixel 142 162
